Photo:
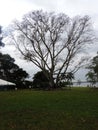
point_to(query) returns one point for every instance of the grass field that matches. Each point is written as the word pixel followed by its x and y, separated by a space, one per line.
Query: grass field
pixel 75 109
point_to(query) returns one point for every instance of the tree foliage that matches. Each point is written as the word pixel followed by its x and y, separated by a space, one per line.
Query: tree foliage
pixel 92 74
pixel 40 80
pixel 53 42
pixel 66 79
pixel 10 71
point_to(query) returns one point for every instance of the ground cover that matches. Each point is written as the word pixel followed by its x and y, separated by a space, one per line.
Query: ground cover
pixel 75 109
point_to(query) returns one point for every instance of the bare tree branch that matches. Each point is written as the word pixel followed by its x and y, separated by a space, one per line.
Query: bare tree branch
pixel 52 41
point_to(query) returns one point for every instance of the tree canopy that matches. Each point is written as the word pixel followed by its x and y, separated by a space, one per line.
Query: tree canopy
pixel 53 42
pixel 40 80
pixel 92 74
pixel 10 71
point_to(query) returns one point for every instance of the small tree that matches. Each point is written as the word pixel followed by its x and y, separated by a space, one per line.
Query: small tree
pixel 92 75
pixel 40 80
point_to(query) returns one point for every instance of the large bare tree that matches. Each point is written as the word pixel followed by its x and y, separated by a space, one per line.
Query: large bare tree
pixel 53 42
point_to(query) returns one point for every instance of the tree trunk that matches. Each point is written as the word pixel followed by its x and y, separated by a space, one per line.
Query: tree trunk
pixel 52 83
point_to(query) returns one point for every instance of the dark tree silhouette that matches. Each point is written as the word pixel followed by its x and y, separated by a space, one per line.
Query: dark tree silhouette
pixel 10 71
pixel 66 79
pixel 92 75
pixel 40 80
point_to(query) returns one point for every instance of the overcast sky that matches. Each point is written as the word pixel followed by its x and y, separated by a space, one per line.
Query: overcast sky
pixel 11 9
pixel 14 9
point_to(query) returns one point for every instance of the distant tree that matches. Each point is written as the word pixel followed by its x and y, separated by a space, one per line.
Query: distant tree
pixel 40 80
pixel 53 42
pixel 10 71
pixel 92 75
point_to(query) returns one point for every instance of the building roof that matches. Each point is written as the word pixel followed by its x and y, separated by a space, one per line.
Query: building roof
pixel 4 82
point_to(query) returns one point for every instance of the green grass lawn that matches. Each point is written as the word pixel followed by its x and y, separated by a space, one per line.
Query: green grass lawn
pixel 75 109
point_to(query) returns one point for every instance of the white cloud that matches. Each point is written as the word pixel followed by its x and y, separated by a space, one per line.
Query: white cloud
pixel 13 9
